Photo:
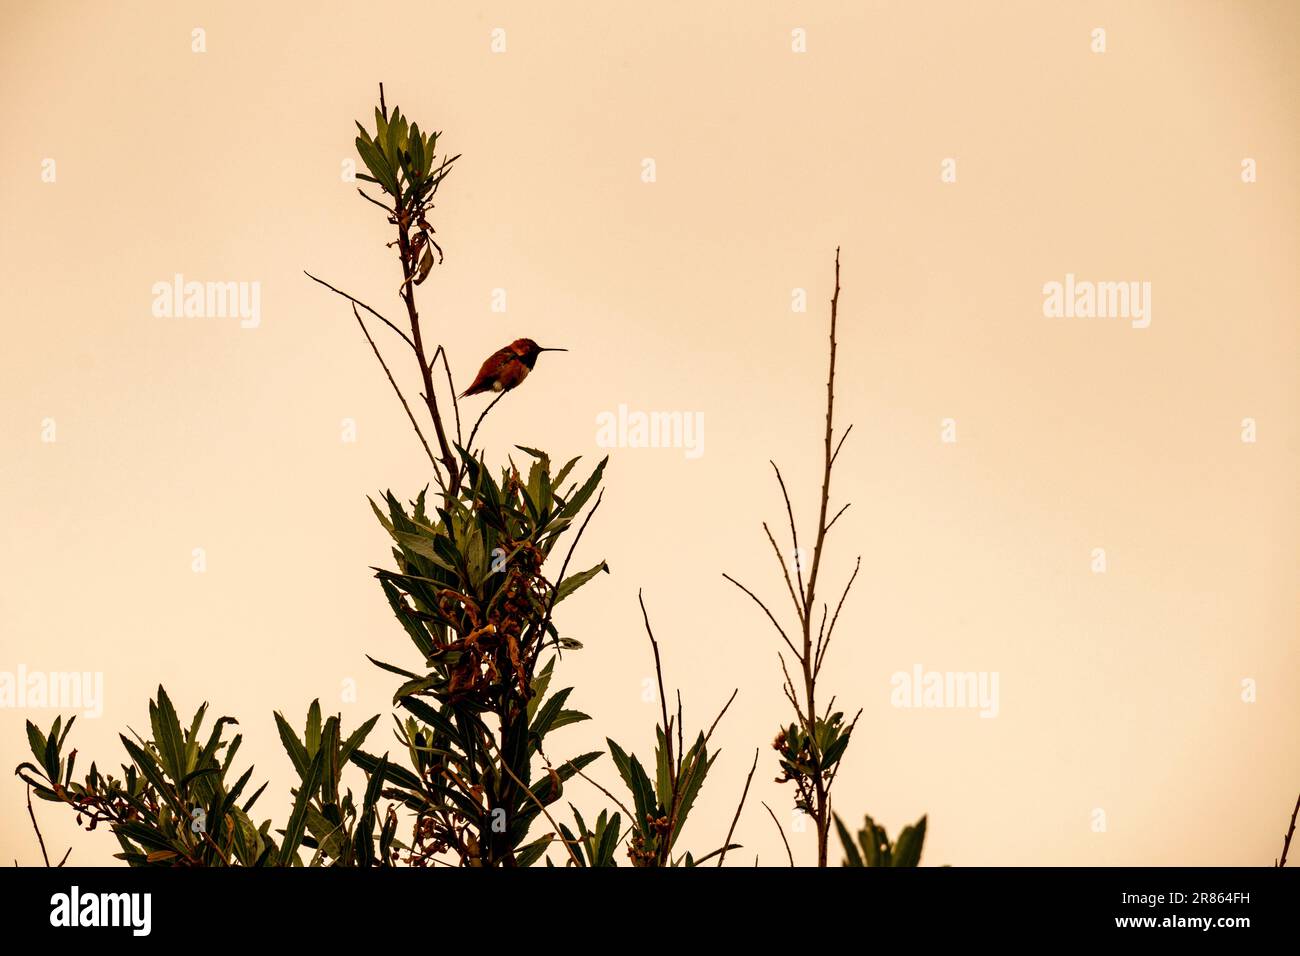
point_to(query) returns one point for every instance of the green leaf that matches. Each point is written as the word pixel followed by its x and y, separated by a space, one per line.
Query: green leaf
pixel 51 758
pixel 248 804
pixel 311 738
pixel 364 841
pixel 907 849
pixel 563 473
pixel 66 727
pixel 530 853
pixel 834 752
pixel 697 770
pixel 229 800
pixel 209 751
pixel 414 627
pixel 328 746
pixel 541 681
pixel 192 737
pixel 608 842
pixel 854 858
pixel 546 717
pixel 377 165
pixel 634 777
pixel 167 736
pixel 149 767
pixel 575 581
pixel 392 140
pixel 36 740
pixel 357 739
pixel 418 685
pixel 875 844
pixel 391 772
pixel 579 498
pixel 663 773
pixel 292 745
pixel 297 825
pixel 435 719
pixel 566 717
pixel 417 150
pixel 424 546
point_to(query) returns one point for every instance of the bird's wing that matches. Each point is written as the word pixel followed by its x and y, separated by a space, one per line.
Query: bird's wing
pixel 483 381
pixel 512 374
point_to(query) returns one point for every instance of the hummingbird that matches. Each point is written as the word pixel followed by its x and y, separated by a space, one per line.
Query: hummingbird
pixel 507 367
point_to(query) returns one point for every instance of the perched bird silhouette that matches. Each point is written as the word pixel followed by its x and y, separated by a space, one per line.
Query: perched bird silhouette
pixel 507 367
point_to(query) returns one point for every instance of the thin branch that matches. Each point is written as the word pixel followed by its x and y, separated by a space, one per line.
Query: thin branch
pixel 1286 844
pixel 831 782
pixel 559 835
pixel 837 516
pixel 770 617
pixel 826 471
pixel 841 444
pixel 821 786
pixel 663 700
pixel 806 720
pixel 821 652
pixel 794 533
pixel 788 690
pixel 714 726
pixel 46 856
pixel 732 829
pixel 781 831
pixel 681 740
pixel 455 405
pixel 821 636
pixel 555 589
pixel 469 447
pixel 630 815
pixel 355 301
pixel 407 262
pixel 785 571
pixel 409 414
pixel 368 198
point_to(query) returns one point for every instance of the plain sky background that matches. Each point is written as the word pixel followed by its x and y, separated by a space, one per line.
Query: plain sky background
pixel 1119 691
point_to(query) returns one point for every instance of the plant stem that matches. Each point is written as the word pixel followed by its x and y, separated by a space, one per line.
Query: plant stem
pixel 808 659
pixel 46 856
pixel 417 344
pixel 1286 844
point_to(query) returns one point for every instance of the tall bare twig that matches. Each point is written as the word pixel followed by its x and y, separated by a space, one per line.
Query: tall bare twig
pixel 811 643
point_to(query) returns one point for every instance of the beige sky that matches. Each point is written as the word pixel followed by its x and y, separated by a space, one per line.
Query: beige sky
pixel 1118 691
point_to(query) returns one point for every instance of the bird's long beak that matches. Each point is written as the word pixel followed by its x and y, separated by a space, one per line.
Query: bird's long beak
pixel 552 350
